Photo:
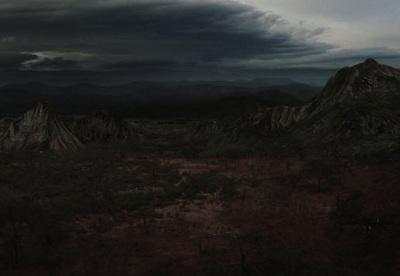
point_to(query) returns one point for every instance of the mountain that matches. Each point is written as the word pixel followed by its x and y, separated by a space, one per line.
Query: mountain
pixel 357 109
pixel 39 129
pixel 368 82
pixel 268 96
pixel 271 81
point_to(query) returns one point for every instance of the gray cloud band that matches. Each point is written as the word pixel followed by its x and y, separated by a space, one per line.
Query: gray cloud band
pixel 148 33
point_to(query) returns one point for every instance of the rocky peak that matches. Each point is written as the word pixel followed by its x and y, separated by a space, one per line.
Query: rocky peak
pixel 41 112
pixel 362 80
pixel 370 62
pixel 39 129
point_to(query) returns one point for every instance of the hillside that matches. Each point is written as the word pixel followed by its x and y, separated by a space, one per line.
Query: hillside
pixel 102 126
pixel 357 110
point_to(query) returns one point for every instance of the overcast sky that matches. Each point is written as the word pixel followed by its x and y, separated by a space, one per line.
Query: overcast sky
pixel 203 39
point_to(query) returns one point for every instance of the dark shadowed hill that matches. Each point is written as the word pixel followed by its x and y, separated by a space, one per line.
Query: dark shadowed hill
pixel 102 126
pixel 85 98
pixel 300 91
pixel 231 105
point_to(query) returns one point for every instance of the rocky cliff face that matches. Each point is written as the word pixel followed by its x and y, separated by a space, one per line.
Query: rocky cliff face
pixel 39 129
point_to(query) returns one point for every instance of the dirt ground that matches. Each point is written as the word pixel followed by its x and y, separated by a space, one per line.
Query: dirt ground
pixel 292 216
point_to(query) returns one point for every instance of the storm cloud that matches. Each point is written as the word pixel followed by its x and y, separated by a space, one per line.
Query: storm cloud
pixel 120 34
pixel 178 38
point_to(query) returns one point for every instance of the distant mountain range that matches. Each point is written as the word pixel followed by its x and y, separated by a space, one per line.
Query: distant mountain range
pixel 357 114
pixel 112 78
pixel 87 98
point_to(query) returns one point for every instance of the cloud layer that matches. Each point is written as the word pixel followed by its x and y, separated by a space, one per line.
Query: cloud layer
pixel 165 34
pixel 154 38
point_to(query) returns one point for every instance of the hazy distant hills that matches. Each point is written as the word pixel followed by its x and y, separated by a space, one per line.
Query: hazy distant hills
pixel 110 78
pixel 86 97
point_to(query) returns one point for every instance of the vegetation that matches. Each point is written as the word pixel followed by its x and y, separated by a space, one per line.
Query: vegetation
pixel 52 205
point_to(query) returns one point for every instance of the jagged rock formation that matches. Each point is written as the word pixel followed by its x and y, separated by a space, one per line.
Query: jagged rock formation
pixel 101 126
pixel 39 129
pixel 358 106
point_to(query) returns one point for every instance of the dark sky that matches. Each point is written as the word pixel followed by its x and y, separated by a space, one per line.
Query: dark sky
pixel 189 39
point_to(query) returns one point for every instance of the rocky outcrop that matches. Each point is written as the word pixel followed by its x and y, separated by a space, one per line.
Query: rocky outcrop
pixel 101 126
pixel 39 129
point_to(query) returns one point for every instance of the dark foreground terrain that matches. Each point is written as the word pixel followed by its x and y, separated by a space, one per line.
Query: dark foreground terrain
pixel 310 189
pixel 150 208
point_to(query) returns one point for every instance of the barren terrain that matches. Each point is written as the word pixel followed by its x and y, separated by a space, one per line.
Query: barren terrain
pixel 148 209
